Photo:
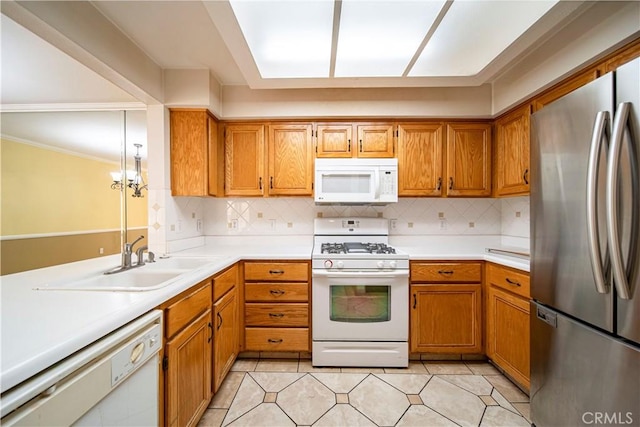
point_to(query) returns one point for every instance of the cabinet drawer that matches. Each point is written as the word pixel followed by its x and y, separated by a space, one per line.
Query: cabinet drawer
pixel 277 271
pixel 267 292
pixel 181 313
pixel 276 314
pixel 509 279
pixel 442 272
pixel 224 282
pixel 277 339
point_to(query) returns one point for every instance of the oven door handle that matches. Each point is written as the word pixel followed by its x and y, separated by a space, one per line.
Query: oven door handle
pixel 361 274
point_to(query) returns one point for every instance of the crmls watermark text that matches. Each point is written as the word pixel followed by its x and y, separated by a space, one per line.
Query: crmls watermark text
pixel 607 418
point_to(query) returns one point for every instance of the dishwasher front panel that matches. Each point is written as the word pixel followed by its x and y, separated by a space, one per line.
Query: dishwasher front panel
pixel 118 387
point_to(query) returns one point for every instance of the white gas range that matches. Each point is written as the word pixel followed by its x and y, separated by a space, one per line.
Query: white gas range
pixel 360 295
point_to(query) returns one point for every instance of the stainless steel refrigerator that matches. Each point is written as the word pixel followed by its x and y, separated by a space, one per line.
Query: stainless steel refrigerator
pixel 585 265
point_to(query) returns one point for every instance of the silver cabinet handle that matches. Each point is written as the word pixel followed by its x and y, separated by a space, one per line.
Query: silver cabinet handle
pixel 600 135
pixel 619 125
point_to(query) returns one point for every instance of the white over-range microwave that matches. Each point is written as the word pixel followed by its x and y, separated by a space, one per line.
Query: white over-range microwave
pixel 356 181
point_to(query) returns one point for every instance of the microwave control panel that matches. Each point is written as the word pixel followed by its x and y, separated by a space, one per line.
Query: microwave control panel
pixel 388 184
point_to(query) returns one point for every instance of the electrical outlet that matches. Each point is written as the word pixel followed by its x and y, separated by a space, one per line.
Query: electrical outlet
pixel 101 251
pixel 289 225
pixel 259 214
pixel 472 225
pixel 443 224
pixel 199 225
pixel 233 224
pixel 193 215
pixel 410 225
pixel 518 214
pixel 394 223
pixel 272 223
pixel 172 227
pixel 441 215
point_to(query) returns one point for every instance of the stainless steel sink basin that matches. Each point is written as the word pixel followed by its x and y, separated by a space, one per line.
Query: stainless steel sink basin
pixel 134 280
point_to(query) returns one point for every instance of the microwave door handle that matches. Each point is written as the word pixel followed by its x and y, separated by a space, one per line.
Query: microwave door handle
pixel 376 178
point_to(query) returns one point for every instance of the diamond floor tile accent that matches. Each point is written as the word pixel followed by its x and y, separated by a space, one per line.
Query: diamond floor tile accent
pixel 263 393
pixel 306 400
pixel 380 402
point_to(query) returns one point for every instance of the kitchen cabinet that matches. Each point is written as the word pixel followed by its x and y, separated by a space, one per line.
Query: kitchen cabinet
pixel 512 152
pixel 196 154
pixel 244 159
pixel 187 360
pixel 420 159
pixel 334 140
pixel 508 329
pixel 566 86
pixel 226 335
pixel 446 307
pixel 290 150
pixel 276 306
pixel 468 160
pixel 373 140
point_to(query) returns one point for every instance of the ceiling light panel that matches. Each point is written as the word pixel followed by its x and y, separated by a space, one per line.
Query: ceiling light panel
pixel 288 39
pixel 474 33
pixel 379 38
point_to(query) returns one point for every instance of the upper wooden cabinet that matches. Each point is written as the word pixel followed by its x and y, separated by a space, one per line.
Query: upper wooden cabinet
pixel 375 140
pixel 372 140
pixel 512 153
pixel 196 155
pixel 420 159
pixel 290 160
pixel 244 160
pixel 334 140
pixel 468 160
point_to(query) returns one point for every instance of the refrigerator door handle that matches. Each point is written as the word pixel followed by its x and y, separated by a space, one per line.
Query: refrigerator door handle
pixel 598 138
pixel 613 163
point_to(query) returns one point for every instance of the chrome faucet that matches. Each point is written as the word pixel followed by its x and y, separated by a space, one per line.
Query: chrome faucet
pixel 126 257
pixel 128 251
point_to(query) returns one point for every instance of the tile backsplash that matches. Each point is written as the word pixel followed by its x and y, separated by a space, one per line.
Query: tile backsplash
pixel 410 216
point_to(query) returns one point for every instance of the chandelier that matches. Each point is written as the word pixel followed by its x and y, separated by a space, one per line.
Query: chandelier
pixel 134 179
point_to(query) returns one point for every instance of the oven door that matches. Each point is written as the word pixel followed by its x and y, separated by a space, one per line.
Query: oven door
pixel 360 306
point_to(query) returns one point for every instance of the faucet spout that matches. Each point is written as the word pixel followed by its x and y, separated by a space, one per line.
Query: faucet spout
pixel 140 254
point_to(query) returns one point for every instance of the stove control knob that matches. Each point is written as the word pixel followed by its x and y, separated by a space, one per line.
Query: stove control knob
pixel 340 264
pixel 393 264
pixel 328 264
pixel 380 264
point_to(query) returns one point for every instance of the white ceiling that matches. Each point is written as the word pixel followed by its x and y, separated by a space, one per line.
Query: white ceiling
pixel 176 34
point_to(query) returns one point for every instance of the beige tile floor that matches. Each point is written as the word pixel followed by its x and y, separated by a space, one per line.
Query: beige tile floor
pixel 293 393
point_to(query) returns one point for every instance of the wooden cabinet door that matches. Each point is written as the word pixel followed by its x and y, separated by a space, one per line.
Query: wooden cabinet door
pixel 512 153
pixel 196 156
pixel 468 159
pixel 446 318
pixel 420 159
pixel 508 333
pixel 290 160
pixel 375 140
pixel 226 339
pixel 334 140
pixel 244 160
pixel 188 375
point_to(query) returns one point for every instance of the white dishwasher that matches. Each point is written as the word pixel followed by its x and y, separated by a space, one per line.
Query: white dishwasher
pixel 113 381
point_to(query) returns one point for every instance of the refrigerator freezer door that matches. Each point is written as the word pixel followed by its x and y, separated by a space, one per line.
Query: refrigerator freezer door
pixel 580 376
pixel 628 91
pixel 561 269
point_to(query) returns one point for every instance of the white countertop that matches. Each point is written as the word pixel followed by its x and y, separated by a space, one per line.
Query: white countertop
pixel 39 328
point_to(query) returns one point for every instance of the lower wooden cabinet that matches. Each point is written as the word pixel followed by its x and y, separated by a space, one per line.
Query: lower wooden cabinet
pixel 187 357
pixel 226 336
pixel 446 307
pixel 446 318
pixel 508 329
pixel 276 308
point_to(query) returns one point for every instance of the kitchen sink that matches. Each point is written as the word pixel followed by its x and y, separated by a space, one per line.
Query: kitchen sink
pixel 134 280
pixel 181 263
